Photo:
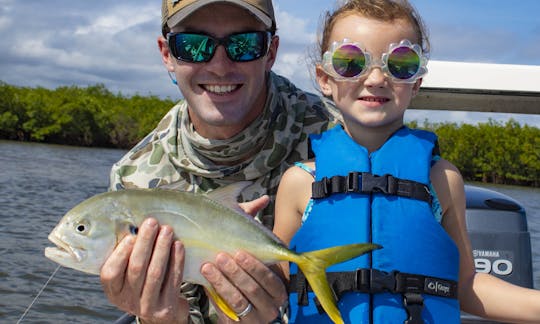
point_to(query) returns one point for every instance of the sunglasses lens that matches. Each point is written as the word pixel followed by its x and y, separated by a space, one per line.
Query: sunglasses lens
pixel 348 61
pixel 198 48
pixel 246 46
pixel 192 47
pixel 403 63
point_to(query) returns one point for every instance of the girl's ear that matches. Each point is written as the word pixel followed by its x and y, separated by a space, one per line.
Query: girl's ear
pixel 323 81
pixel 416 87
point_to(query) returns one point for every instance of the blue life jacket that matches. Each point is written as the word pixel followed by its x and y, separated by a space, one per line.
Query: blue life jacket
pixel 413 278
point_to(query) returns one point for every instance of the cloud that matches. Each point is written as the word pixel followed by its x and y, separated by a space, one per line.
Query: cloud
pixel 5 16
pixel 116 20
pixel 294 29
pixel 5 22
pixel 63 42
pixel 297 38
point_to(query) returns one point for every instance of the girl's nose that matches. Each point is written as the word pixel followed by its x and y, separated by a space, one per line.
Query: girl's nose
pixel 375 77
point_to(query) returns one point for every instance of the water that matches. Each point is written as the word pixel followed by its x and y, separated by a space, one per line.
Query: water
pixel 39 183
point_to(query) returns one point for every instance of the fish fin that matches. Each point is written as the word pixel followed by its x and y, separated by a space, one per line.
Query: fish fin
pixel 125 227
pixel 228 195
pixel 313 264
pixel 222 305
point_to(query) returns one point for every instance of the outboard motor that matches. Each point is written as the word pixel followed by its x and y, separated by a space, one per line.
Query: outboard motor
pixel 501 243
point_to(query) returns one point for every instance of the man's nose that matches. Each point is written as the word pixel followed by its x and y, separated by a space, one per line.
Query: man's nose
pixel 220 62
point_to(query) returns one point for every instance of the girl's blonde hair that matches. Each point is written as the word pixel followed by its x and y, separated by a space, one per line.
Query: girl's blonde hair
pixel 383 10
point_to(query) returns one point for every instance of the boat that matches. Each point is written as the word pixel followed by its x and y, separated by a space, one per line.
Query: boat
pixel 480 87
pixel 496 223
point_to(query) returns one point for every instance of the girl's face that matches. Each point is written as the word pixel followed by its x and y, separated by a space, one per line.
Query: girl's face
pixel 374 101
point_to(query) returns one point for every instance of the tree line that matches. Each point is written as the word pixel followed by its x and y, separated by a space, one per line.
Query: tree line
pixel 90 116
pixel 494 152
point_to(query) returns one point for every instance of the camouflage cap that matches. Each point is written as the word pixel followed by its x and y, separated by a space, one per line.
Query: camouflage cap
pixel 174 11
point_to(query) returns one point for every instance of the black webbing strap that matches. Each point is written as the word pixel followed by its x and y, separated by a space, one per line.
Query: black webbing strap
pixel 373 281
pixel 365 183
pixel 414 304
pixel 300 284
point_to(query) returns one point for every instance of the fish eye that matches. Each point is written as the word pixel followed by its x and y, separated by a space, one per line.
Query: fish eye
pixel 81 228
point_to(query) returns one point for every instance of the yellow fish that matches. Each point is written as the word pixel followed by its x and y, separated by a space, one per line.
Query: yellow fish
pixel 206 224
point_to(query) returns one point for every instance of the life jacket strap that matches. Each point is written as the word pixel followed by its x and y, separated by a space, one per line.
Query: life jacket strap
pixel 374 281
pixel 367 183
pixel 414 304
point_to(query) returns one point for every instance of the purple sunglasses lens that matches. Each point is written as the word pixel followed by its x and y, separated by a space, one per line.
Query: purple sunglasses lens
pixel 348 61
pixel 403 63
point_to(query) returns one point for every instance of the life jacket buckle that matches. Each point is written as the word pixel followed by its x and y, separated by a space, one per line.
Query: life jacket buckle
pixel 375 281
pixel 414 304
pixel 386 184
pixel 327 186
pixel 352 182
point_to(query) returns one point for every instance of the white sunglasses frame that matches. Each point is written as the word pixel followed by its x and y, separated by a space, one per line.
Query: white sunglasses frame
pixel 329 69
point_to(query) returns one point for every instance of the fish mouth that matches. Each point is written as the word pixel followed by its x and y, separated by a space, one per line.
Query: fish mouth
pixel 62 250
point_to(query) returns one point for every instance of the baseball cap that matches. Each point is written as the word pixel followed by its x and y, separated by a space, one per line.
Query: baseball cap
pixel 174 11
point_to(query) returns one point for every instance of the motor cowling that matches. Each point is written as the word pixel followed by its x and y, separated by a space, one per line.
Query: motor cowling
pixel 501 243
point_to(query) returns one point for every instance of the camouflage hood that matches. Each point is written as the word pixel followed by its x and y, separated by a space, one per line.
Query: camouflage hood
pixel 175 154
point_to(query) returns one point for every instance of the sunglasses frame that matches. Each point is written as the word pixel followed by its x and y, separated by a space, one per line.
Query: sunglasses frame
pixel 329 69
pixel 267 40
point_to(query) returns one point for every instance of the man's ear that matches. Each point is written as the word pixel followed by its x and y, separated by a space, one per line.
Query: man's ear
pixel 323 81
pixel 272 53
pixel 165 53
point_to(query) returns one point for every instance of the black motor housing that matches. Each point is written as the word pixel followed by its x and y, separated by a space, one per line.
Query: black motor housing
pixel 501 243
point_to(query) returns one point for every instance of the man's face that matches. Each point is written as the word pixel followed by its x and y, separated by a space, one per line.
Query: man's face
pixel 223 96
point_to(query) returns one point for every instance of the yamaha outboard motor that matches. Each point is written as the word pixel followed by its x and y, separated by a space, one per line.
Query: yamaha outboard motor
pixel 500 240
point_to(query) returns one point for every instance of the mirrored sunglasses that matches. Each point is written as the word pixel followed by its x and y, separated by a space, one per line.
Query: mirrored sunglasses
pixel 349 61
pixel 198 48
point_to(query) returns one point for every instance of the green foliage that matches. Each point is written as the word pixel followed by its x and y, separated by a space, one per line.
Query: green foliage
pixel 503 153
pixel 90 116
pixel 506 153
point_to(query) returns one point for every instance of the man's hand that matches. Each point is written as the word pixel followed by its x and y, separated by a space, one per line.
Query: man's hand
pixel 143 276
pixel 144 273
pixel 244 280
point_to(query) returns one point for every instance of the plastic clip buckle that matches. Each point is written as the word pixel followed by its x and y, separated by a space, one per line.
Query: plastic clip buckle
pixel 373 183
pixel 352 182
pixel 383 281
pixel 414 304
pixel 375 281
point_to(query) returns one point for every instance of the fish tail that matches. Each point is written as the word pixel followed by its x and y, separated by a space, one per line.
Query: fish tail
pixel 221 304
pixel 313 264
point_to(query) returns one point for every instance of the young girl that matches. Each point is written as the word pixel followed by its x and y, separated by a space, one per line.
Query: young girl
pixel 373 179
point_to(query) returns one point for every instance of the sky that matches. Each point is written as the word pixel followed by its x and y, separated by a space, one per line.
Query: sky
pixel 64 42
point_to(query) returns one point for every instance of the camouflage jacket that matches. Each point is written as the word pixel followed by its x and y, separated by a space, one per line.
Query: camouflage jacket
pixel 173 154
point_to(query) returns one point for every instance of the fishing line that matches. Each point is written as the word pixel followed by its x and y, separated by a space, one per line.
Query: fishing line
pixel 37 296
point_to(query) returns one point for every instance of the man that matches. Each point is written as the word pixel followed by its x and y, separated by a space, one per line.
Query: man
pixel 238 121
